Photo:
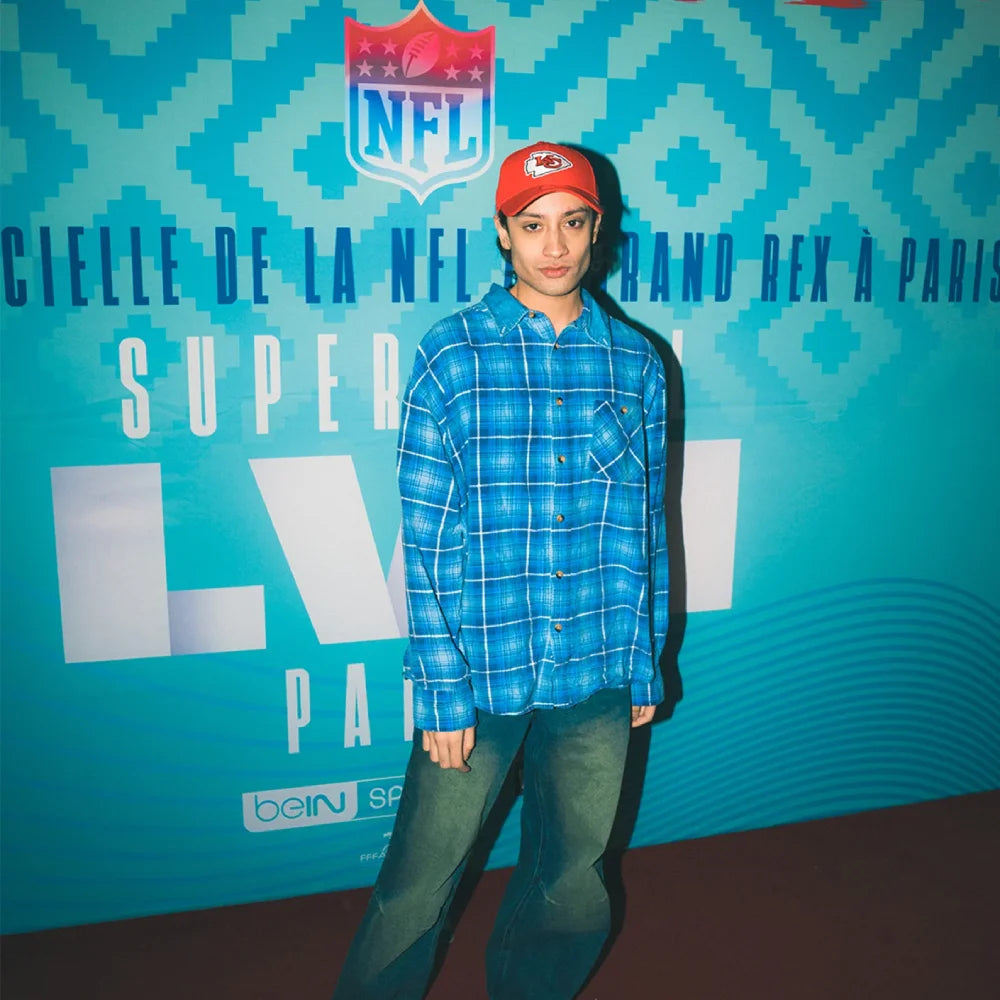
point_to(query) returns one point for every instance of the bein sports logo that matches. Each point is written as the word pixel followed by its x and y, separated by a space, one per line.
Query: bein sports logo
pixel 420 107
pixel 545 161
pixel 316 805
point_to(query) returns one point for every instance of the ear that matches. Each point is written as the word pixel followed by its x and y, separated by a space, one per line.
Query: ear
pixel 502 233
pixel 597 227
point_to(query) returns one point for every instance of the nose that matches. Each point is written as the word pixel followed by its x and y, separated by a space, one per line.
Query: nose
pixel 555 243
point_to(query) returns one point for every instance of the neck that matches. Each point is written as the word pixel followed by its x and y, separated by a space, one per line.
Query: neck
pixel 560 310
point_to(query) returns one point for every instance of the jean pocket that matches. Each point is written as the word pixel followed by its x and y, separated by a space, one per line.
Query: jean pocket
pixel 616 444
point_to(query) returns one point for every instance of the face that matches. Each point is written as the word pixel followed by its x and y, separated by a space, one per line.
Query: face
pixel 549 244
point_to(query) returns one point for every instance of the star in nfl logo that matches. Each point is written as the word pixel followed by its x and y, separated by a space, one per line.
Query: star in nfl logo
pixel 419 101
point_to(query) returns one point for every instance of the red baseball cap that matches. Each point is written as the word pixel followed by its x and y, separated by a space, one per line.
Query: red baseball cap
pixel 542 168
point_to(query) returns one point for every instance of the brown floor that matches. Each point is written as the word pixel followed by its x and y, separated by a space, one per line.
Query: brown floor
pixel 900 903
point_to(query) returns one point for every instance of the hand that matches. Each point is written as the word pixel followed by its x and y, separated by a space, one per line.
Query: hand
pixel 641 714
pixel 451 750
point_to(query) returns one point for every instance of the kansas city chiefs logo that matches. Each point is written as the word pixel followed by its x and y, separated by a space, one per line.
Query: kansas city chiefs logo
pixel 544 161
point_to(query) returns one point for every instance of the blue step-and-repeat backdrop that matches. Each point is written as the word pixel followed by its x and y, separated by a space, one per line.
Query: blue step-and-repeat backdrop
pixel 225 226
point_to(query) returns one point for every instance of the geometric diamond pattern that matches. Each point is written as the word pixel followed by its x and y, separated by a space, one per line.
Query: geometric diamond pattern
pixel 640 162
pixel 831 342
pixel 849 66
pixel 979 183
pixel 942 184
pixel 14 159
pixel 128 34
pixel 688 171
pixel 827 356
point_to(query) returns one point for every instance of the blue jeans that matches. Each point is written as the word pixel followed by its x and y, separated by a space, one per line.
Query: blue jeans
pixel 554 918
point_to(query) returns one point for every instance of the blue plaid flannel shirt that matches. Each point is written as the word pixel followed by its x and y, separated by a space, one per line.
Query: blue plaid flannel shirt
pixel 531 471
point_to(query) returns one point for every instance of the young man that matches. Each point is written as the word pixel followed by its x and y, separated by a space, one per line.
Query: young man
pixel 531 463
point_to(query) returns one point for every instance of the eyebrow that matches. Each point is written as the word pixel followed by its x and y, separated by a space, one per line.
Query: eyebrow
pixel 537 215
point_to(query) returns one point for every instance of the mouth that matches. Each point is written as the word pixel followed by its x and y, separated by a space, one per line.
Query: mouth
pixel 555 272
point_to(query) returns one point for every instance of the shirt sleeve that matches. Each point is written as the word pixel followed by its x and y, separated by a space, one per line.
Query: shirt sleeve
pixel 650 692
pixel 434 559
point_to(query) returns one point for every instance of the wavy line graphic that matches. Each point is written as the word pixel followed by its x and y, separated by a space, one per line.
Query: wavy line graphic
pixel 847 698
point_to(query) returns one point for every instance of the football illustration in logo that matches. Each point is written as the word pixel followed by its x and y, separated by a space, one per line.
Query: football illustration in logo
pixel 421 54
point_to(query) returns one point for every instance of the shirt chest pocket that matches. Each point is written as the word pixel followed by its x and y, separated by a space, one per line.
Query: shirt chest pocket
pixel 616 445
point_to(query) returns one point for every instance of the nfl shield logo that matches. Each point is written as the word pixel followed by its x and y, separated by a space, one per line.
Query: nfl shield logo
pixel 419 101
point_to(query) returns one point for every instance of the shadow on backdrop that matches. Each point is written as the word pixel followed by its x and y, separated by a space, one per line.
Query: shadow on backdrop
pixel 607 260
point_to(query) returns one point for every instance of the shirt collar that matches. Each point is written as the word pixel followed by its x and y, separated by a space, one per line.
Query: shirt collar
pixel 508 313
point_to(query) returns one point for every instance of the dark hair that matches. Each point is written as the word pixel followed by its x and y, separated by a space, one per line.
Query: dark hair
pixel 602 254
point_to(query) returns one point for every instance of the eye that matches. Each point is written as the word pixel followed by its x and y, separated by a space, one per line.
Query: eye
pixel 574 223
pixel 530 227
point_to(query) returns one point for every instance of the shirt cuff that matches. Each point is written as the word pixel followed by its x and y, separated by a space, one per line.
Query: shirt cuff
pixel 647 692
pixel 447 710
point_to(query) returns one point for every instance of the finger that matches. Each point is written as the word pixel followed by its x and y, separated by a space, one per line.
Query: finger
pixel 446 750
pixel 457 747
pixel 456 759
pixel 426 740
pixel 642 714
pixel 468 742
pixel 442 750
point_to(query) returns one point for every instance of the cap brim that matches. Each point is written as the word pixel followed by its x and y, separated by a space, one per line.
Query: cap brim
pixel 520 201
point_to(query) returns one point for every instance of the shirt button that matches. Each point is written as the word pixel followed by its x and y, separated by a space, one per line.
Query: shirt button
pixel 558 400
pixel 531 315
pixel 559 517
pixel 561 458
pixel 559 573
pixel 557 627
pixel 624 409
